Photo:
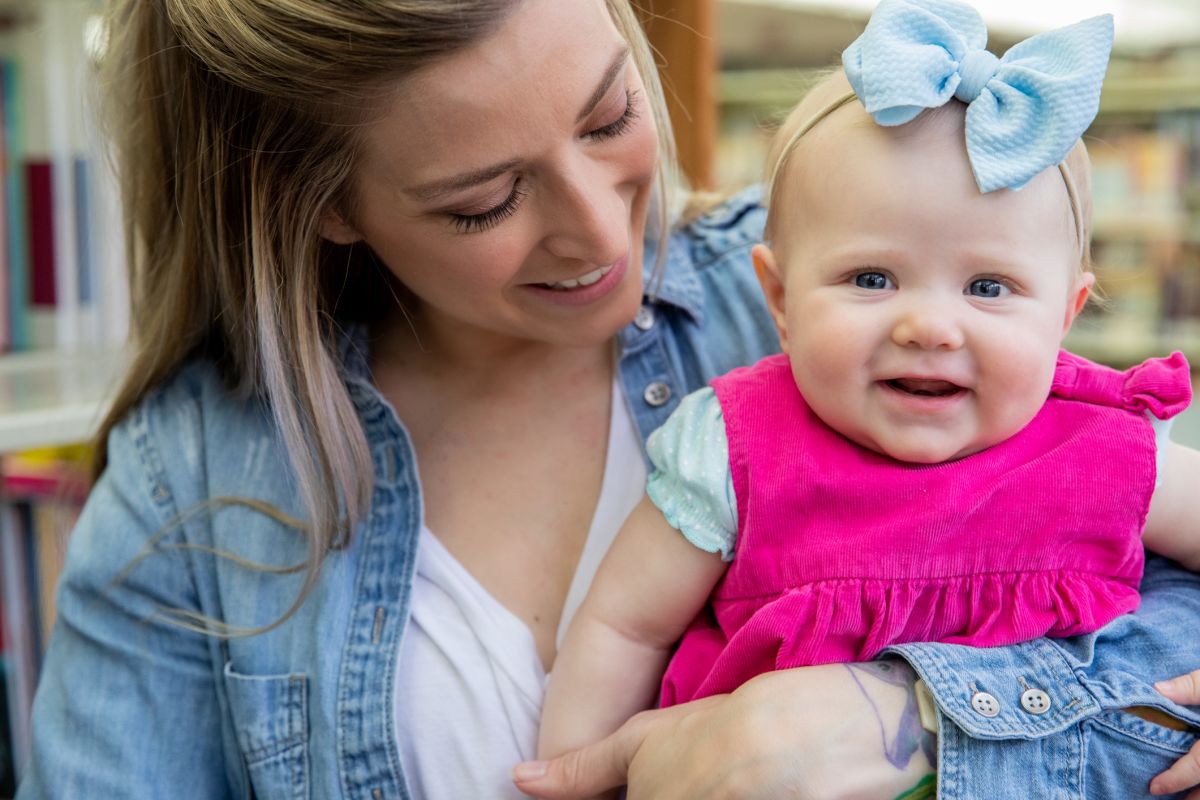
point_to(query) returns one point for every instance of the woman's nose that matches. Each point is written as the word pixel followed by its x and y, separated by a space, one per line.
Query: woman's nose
pixel 928 326
pixel 589 220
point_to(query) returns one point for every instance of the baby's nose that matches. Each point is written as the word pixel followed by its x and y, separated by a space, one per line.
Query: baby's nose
pixel 929 328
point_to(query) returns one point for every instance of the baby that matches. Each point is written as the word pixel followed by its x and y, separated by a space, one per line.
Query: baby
pixel 923 462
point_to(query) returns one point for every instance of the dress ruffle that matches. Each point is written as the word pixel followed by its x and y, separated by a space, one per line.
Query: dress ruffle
pixel 1160 386
pixel 846 620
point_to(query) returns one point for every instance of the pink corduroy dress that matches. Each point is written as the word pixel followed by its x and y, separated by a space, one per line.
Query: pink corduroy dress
pixel 842 552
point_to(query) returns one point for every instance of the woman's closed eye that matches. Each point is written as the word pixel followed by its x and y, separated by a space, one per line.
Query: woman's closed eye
pixel 621 124
pixel 473 223
pixel 482 221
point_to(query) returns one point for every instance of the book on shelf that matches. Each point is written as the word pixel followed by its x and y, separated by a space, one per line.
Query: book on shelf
pixel 63 284
pixel 41 493
pixel 21 629
pixel 16 295
pixel 8 768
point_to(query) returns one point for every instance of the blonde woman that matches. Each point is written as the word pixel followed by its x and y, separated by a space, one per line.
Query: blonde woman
pixel 407 305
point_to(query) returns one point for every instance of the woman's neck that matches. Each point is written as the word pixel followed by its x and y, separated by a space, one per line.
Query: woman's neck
pixel 451 354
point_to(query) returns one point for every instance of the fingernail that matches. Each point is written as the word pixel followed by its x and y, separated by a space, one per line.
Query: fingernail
pixel 1166 687
pixel 529 770
pixel 1155 787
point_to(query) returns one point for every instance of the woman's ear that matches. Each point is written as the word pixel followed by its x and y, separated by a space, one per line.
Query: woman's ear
pixel 335 229
pixel 769 278
pixel 1080 290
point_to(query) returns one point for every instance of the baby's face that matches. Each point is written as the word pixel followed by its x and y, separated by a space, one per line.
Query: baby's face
pixel 922 318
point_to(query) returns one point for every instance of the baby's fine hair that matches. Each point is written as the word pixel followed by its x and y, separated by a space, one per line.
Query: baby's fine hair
pixel 831 91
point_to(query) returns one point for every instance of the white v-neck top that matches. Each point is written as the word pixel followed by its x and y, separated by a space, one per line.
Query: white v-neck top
pixel 469 683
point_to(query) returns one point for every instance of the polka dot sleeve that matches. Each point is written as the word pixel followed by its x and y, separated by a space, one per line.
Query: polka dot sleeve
pixel 691 483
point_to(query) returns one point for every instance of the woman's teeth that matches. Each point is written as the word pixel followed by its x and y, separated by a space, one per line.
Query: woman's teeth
pixel 582 280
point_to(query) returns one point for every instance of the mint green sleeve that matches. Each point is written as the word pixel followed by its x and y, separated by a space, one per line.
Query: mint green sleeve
pixel 691 483
pixel 1162 435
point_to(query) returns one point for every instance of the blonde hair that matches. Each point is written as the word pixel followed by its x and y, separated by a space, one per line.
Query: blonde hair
pixel 234 128
pixel 831 91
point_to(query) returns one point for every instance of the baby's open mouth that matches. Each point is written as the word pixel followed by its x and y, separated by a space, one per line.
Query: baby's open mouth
pixel 922 387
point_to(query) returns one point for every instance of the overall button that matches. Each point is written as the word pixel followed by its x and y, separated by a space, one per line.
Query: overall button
pixel 984 704
pixel 1035 701
pixel 657 393
pixel 644 319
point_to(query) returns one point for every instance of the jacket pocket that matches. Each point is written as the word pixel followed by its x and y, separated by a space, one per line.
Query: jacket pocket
pixel 1122 752
pixel 270 717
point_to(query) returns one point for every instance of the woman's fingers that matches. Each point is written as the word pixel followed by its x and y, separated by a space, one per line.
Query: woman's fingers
pixel 585 772
pixel 591 770
pixel 1183 774
pixel 1184 690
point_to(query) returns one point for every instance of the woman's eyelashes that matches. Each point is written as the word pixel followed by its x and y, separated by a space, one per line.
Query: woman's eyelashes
pixel 474 223
pixel 621 124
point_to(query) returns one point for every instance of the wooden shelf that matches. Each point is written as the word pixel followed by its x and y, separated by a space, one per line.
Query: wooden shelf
pixel 53 398
pixel 1122 349
pixel 1122 94
pixel 1177 90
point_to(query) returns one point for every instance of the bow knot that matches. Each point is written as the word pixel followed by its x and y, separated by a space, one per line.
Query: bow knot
pixel 974 72
pixel 1025 110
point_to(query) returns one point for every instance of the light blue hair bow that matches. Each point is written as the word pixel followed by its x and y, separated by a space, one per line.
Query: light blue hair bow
pixel 1025 111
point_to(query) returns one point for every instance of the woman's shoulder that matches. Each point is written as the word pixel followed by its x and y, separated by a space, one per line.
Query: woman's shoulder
pixel 197 402
pixel 191 430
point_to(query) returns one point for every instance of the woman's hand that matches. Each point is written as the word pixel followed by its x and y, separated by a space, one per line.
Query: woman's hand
pixel 1184 773
pixel 814 733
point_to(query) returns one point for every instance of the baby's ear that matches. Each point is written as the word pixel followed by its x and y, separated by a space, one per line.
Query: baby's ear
pixel 1080 289
pixel 766 266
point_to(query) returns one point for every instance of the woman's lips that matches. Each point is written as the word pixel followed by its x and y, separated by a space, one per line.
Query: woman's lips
pixel 586 279
pixel 585 289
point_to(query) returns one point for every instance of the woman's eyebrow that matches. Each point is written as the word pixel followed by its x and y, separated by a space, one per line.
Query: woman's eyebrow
pixel 430 191
pixel 610 75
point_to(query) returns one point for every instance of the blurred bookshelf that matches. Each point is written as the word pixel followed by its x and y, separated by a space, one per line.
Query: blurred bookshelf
pixel 54 398
pixel 63 321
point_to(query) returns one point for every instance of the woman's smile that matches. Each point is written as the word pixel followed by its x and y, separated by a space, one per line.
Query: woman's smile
pixel 585 289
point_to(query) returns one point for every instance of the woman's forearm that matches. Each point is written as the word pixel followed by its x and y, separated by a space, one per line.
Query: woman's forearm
pixel 902 736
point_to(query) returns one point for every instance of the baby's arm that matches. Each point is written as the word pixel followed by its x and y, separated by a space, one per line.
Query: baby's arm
pixel 649 587
pixel 1173 524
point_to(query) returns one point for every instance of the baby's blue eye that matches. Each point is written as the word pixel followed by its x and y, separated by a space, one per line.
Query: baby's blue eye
pixel 986 287
pixel 875 281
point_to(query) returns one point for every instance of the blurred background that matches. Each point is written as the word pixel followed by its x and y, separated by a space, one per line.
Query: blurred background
pixel 732 68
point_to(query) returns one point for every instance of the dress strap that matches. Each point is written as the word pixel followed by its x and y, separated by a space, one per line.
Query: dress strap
pixel 1160 386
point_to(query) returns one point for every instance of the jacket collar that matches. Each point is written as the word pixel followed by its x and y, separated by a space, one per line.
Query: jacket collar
pixel 677 283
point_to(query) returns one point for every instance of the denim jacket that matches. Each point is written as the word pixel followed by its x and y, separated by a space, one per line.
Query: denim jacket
pixel 131 705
